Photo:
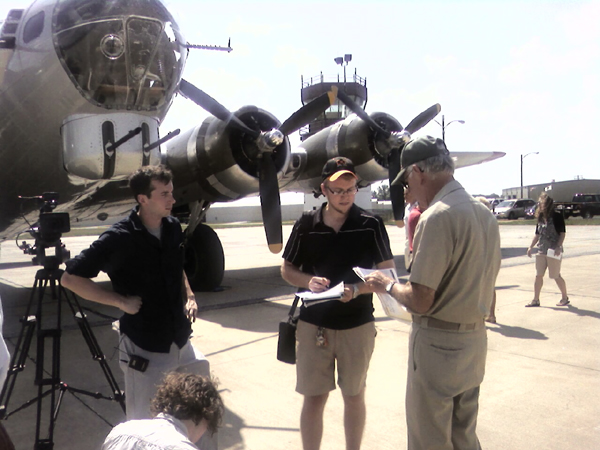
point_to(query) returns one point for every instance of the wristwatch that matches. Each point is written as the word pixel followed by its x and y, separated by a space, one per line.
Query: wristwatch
pixel 389 287
pixel 354 291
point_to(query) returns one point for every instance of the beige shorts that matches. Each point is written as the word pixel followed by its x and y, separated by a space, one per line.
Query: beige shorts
pixel 315 366
pixel 553 265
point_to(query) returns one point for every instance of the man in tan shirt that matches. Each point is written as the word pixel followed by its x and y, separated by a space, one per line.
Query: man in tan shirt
pixel 456 258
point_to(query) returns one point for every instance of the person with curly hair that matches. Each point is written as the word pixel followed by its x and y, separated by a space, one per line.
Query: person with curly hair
pixel 186 406
pixel 550 233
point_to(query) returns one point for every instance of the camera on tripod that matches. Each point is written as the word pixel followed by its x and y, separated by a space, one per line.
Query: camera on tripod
pixel 47 233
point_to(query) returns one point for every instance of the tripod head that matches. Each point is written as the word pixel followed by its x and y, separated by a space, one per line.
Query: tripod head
pixel 47 232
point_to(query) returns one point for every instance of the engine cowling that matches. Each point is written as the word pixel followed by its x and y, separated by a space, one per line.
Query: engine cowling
pixel 351 138
pixel 219 163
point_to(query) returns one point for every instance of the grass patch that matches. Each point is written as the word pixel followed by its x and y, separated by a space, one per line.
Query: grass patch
pixel 577 221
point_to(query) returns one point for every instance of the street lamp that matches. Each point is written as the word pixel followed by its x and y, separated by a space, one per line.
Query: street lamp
pixel 444 125
pixel 522 158
pixel 343 61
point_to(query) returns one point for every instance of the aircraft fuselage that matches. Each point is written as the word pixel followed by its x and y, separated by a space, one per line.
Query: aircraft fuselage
pixel 72 60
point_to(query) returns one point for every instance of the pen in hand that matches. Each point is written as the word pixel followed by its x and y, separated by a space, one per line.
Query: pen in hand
pixel 318 284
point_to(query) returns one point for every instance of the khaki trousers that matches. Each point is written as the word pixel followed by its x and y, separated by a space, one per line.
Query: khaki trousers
pixel 445 370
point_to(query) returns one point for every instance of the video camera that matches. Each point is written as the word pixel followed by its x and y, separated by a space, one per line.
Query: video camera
pixel 47 233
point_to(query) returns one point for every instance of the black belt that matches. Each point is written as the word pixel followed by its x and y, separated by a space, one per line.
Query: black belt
pixel 432 322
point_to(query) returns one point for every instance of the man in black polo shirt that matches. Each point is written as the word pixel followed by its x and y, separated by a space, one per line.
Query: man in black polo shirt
pixel 322 250
pixel 143 256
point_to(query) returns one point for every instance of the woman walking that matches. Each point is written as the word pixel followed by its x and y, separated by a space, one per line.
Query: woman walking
pixel 550 233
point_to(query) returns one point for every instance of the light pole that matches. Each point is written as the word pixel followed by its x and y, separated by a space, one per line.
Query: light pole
pixel 444 125
pixel 343 61
pixel 522 158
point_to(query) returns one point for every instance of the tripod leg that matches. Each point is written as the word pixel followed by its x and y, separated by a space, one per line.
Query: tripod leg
pixel 92 343
pixel 53 381
pixel 50 278
pixel 32 324
pixel 17 362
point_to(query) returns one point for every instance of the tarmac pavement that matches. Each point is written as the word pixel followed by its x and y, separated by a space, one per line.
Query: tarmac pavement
pixel 541 390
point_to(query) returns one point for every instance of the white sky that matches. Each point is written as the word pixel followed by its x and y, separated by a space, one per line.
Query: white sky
pixel 523 75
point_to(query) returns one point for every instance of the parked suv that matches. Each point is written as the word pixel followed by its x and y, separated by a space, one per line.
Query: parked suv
pixel 513 209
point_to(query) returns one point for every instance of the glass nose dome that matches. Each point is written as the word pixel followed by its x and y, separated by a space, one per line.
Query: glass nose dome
pixel 120 54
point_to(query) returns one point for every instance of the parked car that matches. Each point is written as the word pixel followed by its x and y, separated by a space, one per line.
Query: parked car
pixel 495 202
pixel 530 212
pixel 513 209
pixel 584 205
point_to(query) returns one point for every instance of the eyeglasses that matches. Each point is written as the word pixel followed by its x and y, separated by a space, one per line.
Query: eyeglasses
pixel 340 192
pixel 404 180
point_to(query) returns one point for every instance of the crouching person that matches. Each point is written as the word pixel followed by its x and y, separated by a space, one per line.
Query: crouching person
pixel 186 406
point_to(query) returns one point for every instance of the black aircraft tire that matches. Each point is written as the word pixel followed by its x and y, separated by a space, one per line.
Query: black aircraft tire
pixel 204 259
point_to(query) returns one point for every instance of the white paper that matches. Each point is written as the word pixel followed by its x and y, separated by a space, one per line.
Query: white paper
pixel 390 305
pixel 313 298
pixel 552 254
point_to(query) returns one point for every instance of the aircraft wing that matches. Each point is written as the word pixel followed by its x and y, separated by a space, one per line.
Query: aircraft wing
pixel 465 159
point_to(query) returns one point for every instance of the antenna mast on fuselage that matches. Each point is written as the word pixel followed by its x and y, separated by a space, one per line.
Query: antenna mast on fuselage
pixel 212 47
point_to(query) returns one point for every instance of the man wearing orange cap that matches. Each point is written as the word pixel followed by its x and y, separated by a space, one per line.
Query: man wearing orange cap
pixel 322 250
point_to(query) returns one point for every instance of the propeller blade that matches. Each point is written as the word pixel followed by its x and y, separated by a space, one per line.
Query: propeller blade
pixel 270 202
pixel 396 191
pixel 357 109
pixel 208 103
pixel 308 112
pixel 423 119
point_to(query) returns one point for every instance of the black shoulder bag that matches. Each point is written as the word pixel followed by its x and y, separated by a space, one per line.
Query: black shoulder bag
pixel 286 344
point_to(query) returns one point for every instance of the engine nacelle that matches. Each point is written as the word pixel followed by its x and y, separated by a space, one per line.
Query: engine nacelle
pixel 217 162
pixel 87 139
pixel 351 138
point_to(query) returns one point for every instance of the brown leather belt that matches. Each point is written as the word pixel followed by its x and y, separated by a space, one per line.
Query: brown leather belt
pixel 432 322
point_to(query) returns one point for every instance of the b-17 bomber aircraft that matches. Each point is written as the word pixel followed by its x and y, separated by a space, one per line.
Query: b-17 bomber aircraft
pixel 84 87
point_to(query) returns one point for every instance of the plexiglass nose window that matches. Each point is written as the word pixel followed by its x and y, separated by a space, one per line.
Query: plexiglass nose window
pixel 125 55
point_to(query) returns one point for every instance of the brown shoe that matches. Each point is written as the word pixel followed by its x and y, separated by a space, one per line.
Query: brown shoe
pixel 563 302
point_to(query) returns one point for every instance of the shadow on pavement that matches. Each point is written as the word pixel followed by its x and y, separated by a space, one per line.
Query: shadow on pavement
pixel 517 332
pixel 513 252
pixel 15 265
pixel 578 311
pixel 508 286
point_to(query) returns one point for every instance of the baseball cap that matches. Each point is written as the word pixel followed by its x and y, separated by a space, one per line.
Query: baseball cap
pixel 336 167
pixel 417 150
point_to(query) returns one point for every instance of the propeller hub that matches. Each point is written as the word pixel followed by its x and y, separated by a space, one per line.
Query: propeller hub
pixel 269 140
pixel 399 138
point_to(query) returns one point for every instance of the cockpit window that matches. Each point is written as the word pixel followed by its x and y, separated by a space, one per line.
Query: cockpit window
pixel 33 28
pixel 121 55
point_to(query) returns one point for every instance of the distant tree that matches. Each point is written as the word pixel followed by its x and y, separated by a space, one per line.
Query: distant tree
pixel 382 192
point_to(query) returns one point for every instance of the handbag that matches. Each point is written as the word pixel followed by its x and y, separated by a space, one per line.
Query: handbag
pixel 286 343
